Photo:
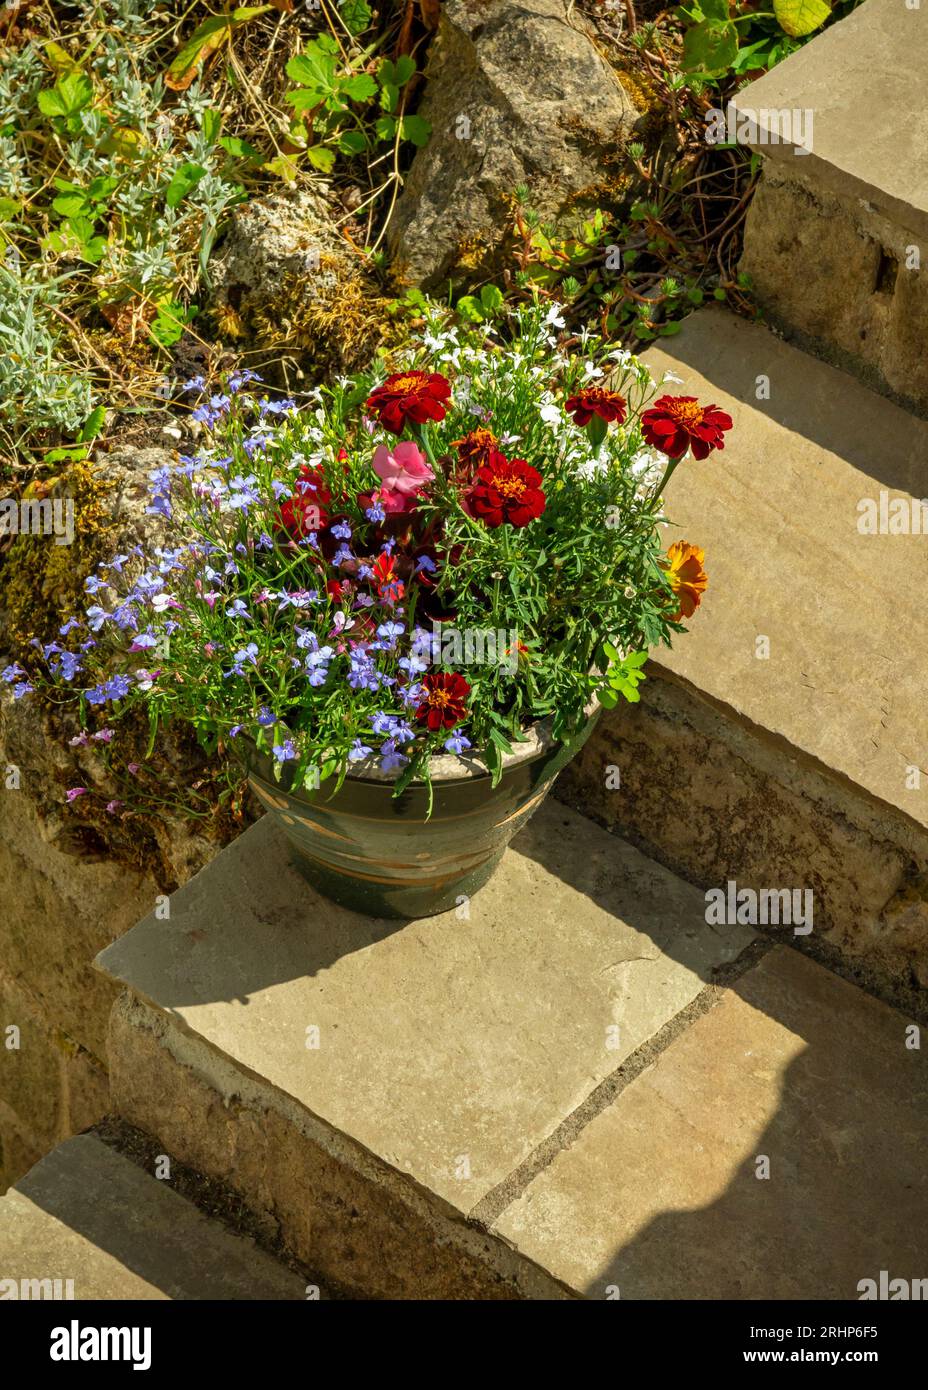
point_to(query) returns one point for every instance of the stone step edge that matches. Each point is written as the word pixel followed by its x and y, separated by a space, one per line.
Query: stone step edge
pixel 873 808
pixel 212 1197
pixel 474 1233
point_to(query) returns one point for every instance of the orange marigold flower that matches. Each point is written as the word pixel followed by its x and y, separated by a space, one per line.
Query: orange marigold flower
pixel 476 447
pixel 687 577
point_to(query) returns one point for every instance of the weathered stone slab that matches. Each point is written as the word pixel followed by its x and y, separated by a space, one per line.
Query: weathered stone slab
pixel 659 1197
pixel 88 1215
pixel 835 240
pixel 840 696
pixel 778 514
pixel 861 145
pixel 715 798
pixel 448 1049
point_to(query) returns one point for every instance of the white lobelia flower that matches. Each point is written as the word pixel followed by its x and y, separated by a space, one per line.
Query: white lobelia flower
pixel 671 376
pixel 554 318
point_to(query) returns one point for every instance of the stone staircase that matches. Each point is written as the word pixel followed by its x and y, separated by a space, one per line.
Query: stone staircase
pixel 783 742
pixel 579 1087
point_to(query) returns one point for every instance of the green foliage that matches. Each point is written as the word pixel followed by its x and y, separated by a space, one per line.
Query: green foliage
pixel 332 100
pixel 724 40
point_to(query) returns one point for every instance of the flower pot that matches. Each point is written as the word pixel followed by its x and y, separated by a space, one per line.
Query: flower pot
pixel 385 856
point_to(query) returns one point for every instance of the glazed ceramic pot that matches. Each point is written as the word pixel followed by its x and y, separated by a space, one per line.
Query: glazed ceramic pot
pixel 385 856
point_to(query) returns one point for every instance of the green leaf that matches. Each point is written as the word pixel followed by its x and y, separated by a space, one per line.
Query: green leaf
pixel 184 180
pixel 352 142
pixel 396 74
pixel 9 209
pixel 711 46
pixel 417 129
pixel 68 96
pixel 71 204
pixel 314 69
pixel 321 158
pixel 389 96
pixel 240 149
pixel 211 125
pixel 169 325
pixel 355 15
pixel 385 128
pixel 205 40
pixel 801 17
pixel 470 308
pixel 359 87
pixel 492 299
pixel 92 425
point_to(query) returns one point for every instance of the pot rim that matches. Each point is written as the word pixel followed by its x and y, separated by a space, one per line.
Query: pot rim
pixel 449 767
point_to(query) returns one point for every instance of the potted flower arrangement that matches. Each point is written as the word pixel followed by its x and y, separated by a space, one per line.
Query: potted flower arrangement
pixel 405 600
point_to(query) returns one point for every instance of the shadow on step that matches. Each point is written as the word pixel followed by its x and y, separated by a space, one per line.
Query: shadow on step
pixel 775 1150
pixel 812 399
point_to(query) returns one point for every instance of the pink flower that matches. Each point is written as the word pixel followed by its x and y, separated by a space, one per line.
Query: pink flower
pixel 394 501
pixel 74 792
pixel 402 468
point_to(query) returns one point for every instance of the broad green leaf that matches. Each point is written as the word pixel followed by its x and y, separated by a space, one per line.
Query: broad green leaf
pixel 71 204
pixel 359 87
pixel 92 425
pixel 352 142
pixel 417 129
pixel 314 69
pixel 69 95
pixel 801 17
pixel 710 47
pixel 396 74
pixel 211 125
pixel 355 15
pixel 491 298
pixel 240 149
pixel 321 158
pixel 389 96
pixel 184 180
pixel 204 41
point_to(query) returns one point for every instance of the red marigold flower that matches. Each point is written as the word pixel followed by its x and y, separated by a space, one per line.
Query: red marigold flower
pixel 414 395
pixel 444 699
pixel 596 400
pixel 677 423
pixel 506 490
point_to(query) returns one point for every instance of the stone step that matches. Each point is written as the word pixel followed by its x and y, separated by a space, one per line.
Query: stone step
pixel 373 1088
pixel 91 1221
pixel 545 1100
pixel 804 768
pixel 836 236
pixel 775 1150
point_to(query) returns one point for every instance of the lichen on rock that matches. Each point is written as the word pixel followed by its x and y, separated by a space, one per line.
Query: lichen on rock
pixel 287 280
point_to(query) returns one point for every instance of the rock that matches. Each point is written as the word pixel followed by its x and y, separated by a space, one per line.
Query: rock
pixel 517 94
pixel 287 278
